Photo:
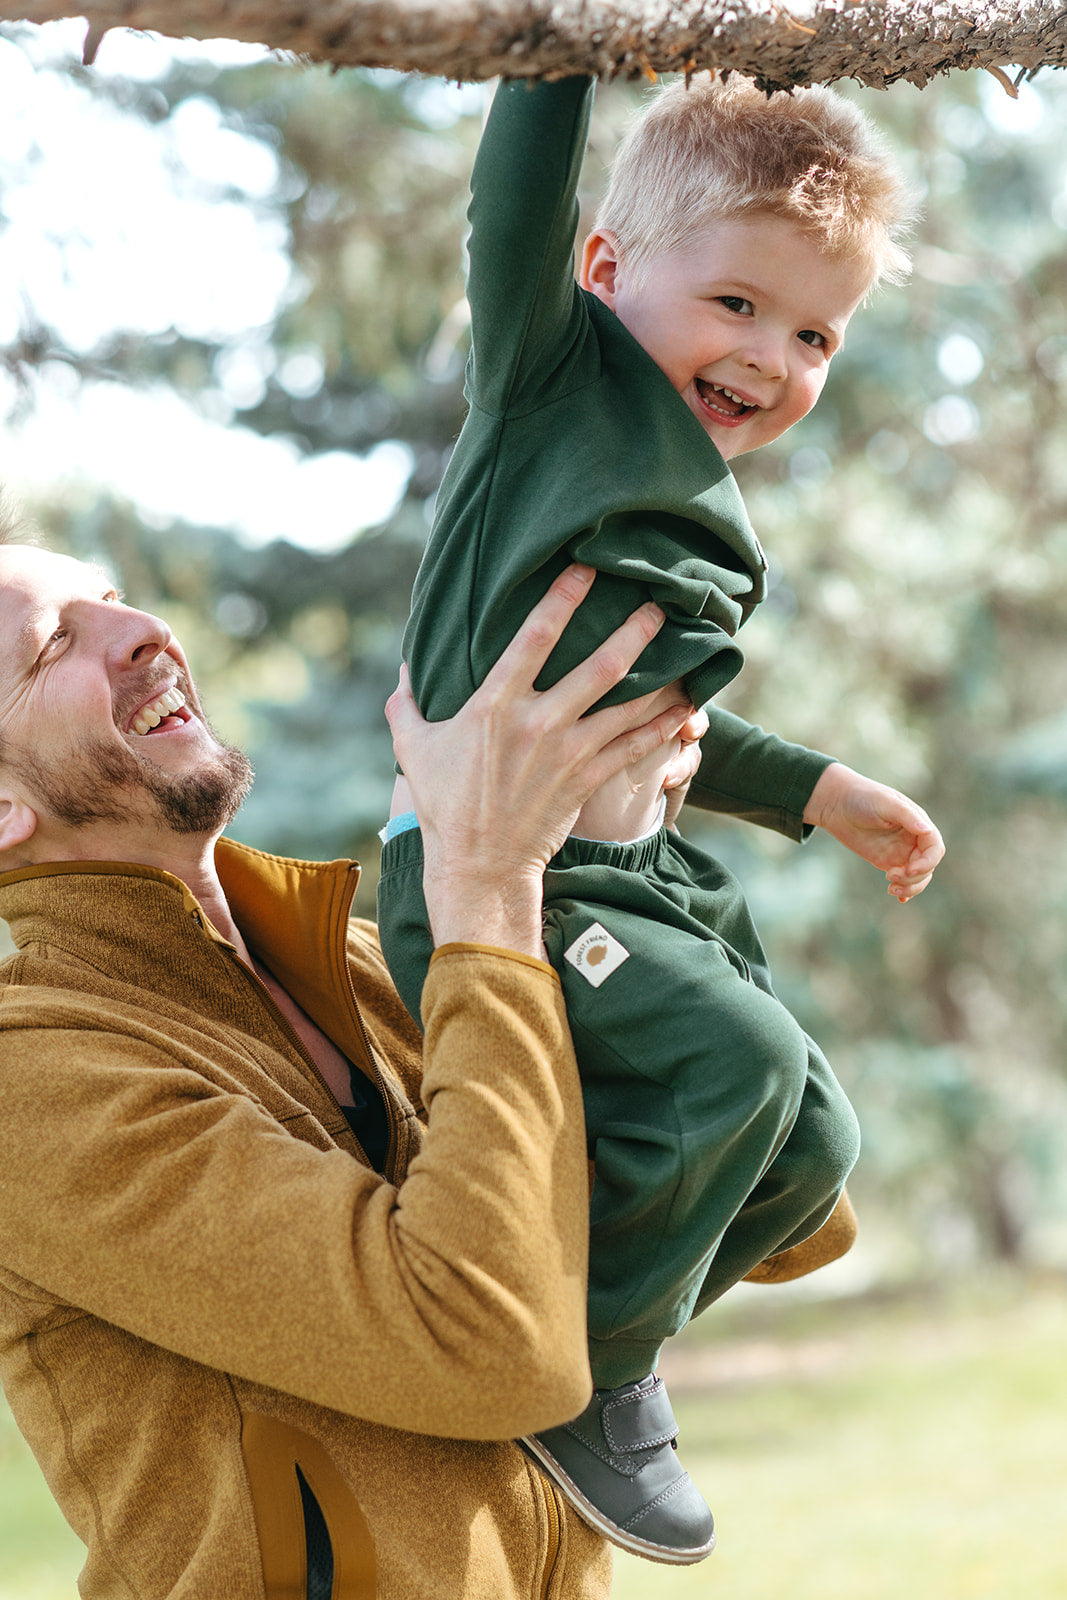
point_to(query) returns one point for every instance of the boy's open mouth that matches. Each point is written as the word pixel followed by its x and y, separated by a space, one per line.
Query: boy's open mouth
pixel 723 401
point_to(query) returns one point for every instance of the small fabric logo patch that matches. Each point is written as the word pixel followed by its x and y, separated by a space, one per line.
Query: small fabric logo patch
pixel 596 954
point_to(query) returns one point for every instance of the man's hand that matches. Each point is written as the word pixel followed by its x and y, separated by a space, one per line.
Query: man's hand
pixel 497 788
pixel 879 824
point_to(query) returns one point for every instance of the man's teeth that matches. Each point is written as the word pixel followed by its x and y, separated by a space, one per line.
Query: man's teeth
pixel 151 715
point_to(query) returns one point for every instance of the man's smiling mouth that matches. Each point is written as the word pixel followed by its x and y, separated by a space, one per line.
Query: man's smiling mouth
pixel 716 397
pixel 161 710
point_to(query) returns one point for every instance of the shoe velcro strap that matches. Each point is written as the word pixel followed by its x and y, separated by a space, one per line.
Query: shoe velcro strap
pixel 642 1420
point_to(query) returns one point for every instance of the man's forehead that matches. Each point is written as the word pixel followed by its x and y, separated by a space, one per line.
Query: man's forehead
pixel 27 571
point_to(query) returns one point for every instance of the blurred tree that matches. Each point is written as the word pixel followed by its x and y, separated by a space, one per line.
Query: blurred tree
pixel 916 524
pixel 297 650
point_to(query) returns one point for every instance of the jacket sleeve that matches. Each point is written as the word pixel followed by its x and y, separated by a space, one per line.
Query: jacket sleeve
pixel 526 308
pixel 755 776
pixel 175 1207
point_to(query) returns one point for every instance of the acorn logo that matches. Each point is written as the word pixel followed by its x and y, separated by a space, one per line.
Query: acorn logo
pixel 596 954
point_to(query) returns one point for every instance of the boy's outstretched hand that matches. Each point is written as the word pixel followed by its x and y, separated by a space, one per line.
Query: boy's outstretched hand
pixel 880 824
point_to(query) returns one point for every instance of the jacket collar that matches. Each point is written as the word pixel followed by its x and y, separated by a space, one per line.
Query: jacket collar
pixel 129 919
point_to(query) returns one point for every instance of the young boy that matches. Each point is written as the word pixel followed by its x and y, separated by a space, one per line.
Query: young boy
pixel 739 235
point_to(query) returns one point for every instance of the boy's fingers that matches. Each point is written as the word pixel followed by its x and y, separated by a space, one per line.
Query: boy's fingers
pixel 931 844
pixel 927 852
pixel 911 879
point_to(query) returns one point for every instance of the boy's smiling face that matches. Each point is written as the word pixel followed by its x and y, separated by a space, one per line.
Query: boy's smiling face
pixel 743 320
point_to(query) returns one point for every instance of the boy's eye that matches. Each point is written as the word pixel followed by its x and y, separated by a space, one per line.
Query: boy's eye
pixel 734 302
pixel 809 336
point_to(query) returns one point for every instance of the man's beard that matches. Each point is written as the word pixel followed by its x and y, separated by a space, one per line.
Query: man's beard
pixel 202 802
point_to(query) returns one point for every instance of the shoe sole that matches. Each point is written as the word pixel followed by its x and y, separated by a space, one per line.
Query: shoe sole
pixel 667 1554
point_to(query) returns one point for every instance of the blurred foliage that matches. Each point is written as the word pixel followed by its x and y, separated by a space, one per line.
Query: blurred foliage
pixel 915 627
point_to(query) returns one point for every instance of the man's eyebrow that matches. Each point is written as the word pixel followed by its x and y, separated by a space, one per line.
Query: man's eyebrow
pixel 107 583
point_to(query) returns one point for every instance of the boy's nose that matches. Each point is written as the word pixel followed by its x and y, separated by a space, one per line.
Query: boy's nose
pixel 767 357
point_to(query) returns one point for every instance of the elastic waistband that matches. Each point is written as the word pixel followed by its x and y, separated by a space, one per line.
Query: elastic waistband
pixel 404 849
pixel 636 856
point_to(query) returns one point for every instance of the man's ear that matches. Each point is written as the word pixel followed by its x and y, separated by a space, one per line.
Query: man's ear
pixel 600 266
pixel 18 824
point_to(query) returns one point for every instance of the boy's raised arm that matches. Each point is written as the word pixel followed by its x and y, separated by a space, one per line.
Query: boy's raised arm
pixel 525 304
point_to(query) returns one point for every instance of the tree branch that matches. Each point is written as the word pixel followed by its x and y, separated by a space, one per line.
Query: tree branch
pixel 876 42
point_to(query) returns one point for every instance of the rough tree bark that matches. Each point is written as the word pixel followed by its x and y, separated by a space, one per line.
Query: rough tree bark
pixel 810 41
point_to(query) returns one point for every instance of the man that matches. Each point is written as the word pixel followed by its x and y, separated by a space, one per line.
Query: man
pixel 250 1363
pixel 279 1282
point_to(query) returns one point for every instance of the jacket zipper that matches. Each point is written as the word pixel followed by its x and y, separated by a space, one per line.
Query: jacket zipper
pixel 391 1148
pixel 554 1513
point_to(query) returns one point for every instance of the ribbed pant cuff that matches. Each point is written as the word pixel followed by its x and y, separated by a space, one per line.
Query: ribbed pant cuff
pixel 618 1361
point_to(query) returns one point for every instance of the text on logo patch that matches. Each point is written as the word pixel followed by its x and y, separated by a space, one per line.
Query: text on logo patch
pixel 596 954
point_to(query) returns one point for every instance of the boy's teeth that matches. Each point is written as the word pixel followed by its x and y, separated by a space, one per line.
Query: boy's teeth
pixel 151 715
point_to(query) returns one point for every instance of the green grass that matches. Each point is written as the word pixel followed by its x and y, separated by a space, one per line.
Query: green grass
pixel 913 1449
pixel 39 1556
pixel 903 1452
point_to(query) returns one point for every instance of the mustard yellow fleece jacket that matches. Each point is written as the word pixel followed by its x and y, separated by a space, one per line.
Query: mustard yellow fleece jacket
pixel 203 1284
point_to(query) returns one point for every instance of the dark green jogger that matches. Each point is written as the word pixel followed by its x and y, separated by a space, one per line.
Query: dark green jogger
pixel 718 1132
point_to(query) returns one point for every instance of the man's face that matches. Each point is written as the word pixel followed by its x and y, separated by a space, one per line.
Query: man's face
pixel 101 732
pixel 743 319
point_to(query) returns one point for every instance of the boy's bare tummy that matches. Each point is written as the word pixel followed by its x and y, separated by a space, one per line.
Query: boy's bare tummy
pixel 627 806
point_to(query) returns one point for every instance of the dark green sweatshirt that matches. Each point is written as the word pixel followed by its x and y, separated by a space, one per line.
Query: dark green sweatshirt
pixel 576 447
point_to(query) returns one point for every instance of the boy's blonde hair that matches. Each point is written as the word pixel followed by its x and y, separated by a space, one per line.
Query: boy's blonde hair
pixel 710 150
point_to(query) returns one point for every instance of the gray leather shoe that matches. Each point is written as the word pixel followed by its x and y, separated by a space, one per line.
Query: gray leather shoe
pixel 616 1464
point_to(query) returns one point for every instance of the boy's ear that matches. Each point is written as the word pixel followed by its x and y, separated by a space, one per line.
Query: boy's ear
pixel 18 824
pixel 600 266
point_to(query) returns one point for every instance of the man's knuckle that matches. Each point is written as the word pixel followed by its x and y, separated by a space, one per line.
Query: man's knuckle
pixel 569 585
pixel 540 634
pixel 542 723
pixel 486 705
pixel 609 666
